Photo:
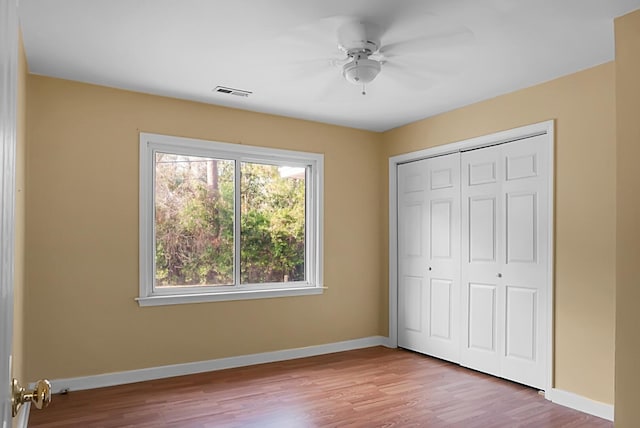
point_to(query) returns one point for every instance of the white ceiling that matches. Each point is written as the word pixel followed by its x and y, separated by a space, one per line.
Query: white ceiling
pixel 280 50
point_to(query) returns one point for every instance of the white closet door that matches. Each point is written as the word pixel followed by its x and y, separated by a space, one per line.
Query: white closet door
pixel 526 259
pixel 482 253
pixel 429 256
pixel 412 256
pixel 504 268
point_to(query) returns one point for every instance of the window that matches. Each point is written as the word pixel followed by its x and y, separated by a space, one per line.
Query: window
pixel 225 221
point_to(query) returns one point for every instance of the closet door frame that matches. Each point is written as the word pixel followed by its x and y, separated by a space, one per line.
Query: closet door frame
pixel 542 128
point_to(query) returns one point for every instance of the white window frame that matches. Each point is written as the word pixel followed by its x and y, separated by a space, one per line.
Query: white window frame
pixel 150 295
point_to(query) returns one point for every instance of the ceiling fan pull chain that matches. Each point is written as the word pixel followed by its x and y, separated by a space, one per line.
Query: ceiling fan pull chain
pixel 364 92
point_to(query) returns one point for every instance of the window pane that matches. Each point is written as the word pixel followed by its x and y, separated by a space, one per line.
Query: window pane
pixel 272 218
pixel 193 220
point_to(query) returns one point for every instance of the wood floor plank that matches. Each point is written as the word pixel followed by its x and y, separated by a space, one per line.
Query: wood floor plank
pixel 373 387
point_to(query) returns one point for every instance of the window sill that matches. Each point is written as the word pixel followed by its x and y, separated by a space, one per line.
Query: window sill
pixel 176 299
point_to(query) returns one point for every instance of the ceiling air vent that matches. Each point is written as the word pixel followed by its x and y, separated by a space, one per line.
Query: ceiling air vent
pixel 231 91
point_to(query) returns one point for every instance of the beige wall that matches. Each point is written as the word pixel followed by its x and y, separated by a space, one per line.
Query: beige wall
pixel 627 375
pixel 583 105
pixel 19 263
pixel 82 236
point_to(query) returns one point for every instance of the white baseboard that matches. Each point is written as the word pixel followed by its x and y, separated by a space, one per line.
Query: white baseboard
pixel 22 420
pixel 131 376
pixel 578 402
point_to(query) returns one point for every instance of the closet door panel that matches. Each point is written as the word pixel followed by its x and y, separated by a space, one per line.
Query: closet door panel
pixel 441 229
pixel 444 257
pixel 441 309
pixel 505 229
pixel 482 296
pixel 482 229
pixel 413 284
pixel 521 220
pixel 521 322
pixel 429 256
pixel 525 264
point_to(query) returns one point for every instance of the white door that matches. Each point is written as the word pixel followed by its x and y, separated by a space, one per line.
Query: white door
pixel 505 260
pixel 8 74
pixel 481 235
pixel 428 256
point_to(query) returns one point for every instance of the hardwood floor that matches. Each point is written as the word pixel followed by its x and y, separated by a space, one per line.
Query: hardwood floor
pixel 373 387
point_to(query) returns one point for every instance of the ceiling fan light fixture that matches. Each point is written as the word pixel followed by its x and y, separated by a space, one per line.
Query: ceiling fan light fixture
pixel 361 71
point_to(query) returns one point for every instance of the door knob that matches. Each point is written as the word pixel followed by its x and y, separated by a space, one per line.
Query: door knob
pixel 499 275
pixel 40 396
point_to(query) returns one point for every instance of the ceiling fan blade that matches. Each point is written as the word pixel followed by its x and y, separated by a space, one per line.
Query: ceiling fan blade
pixel 404 78
pixel 307 41
pixel 455 38
pixel 277 74
pixel 300 53
pixel 297 54
pixel 439 64
pixel 310 70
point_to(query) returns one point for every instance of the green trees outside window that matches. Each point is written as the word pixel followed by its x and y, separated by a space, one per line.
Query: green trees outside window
pixel 195 215
pixel 272 241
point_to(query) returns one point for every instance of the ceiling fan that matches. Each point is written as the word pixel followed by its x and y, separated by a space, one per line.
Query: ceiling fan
pixel 414 51
pixel 396 55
